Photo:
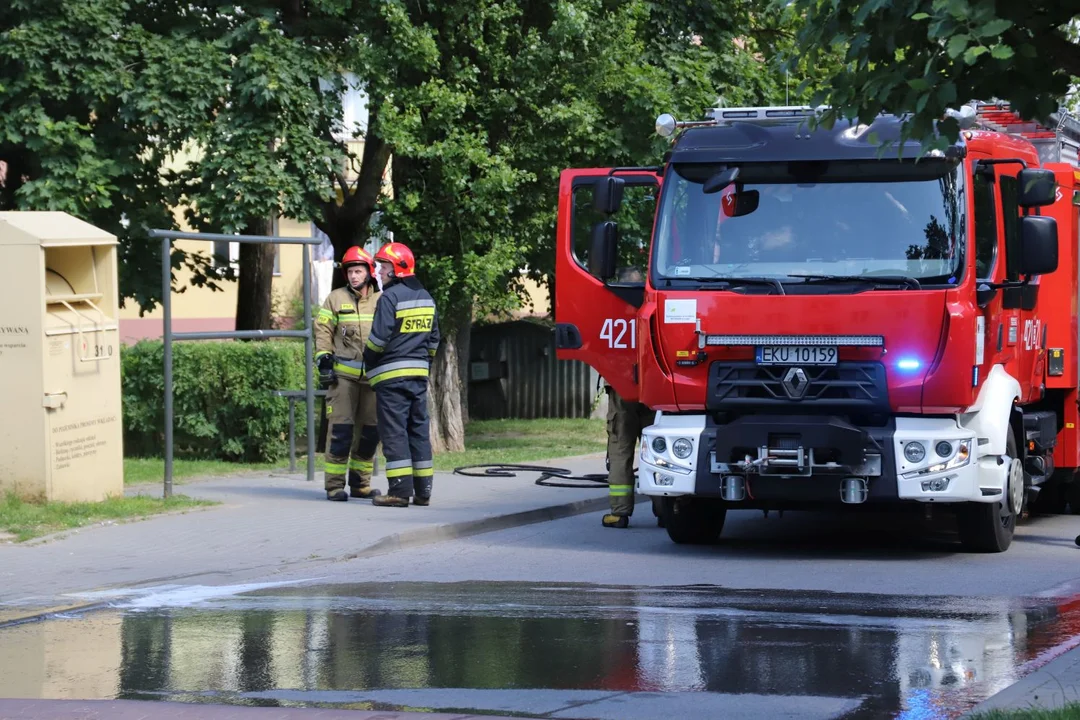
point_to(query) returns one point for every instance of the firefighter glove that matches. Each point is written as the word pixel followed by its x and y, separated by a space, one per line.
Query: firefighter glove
pixel 327 376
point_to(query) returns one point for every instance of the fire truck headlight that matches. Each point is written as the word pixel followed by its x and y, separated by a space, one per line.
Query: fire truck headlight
pixel 665 125
pixel 682 448
pixel 659 445
pixel 914 452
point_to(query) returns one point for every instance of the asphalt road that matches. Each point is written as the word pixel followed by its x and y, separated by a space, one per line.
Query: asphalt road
pixel 841 552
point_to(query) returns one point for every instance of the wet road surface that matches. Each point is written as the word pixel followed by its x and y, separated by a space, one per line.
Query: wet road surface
pixel 544 650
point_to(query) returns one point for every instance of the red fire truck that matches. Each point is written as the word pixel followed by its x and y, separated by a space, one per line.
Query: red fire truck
pixel 830 316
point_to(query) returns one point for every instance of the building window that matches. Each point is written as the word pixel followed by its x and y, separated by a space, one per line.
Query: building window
pixel 226 253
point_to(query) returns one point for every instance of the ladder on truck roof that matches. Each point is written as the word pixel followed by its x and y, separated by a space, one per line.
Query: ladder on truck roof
pixel 1060 143
pixel 778 113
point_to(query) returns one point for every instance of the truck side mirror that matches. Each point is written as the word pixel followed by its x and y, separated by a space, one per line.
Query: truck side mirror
pixel 603 252
pixel 1036 187
pixel 607 194
pixel 1038 245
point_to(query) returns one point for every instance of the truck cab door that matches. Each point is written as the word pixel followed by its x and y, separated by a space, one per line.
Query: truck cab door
pixel 1024 330
pixel 596 320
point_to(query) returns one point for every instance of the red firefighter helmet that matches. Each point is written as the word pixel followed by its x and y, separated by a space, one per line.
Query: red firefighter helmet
pixel 355 256
pixel 399 256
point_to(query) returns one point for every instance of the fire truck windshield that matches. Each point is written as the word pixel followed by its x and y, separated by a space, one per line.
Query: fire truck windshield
pixel 779 220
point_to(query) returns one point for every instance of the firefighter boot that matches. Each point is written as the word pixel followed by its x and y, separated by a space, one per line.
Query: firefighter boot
pixel 611 520
pixel 423 491
pixel 338 495
pixel 360 481
pixel 395 495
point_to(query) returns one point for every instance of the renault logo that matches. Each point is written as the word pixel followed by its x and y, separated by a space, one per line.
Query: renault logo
pixel 795 383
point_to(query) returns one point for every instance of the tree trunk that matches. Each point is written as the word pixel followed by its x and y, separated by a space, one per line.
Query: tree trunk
pixel 254 299
pixel 444 401
pixel 464 336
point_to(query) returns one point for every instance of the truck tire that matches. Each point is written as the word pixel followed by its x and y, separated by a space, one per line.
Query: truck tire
pixel 989 527
pixel 693 521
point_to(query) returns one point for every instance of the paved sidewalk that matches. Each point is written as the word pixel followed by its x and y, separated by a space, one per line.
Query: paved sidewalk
pixel 142 710
pixel 267 524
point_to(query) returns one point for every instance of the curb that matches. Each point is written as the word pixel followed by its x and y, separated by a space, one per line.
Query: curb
pixel 467 528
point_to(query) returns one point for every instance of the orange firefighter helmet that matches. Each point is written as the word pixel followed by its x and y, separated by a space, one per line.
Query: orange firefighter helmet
pixel 399 256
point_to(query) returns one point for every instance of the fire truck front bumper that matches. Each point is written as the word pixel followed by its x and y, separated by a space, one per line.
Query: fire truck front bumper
pixel 762 460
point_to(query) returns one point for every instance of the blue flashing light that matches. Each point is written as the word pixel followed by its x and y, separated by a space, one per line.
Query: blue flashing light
pixel 908 364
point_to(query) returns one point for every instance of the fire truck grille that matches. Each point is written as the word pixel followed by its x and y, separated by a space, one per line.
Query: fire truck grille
pixel 851 387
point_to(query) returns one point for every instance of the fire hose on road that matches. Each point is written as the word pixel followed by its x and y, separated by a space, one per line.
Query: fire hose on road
pixel 549 476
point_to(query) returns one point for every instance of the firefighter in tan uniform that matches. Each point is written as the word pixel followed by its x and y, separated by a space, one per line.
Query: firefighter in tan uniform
pixel 341 330
pixel 625 421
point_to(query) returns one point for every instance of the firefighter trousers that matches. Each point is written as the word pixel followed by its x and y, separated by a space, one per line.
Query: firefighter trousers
pixel 353 437
pixel 404 430
pixel 625 420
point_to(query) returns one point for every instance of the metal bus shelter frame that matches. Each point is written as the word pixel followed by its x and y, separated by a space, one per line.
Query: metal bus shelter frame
pixel 167 237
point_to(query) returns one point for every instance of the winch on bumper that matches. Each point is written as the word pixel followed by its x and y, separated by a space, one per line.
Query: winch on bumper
pixel 769 460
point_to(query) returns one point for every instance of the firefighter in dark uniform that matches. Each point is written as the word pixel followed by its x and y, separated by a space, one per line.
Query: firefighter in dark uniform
pixel 397 358
pixel 341 329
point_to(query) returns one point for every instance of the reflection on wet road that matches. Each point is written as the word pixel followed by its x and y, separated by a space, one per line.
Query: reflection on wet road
pixel 547 650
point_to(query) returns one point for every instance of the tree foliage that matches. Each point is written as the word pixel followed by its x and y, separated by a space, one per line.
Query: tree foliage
pixel 94 97
pixel 925 56
pixel 121 111
pixel 267 150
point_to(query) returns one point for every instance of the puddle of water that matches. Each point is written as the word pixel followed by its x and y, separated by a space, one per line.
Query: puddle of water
pixel 532 649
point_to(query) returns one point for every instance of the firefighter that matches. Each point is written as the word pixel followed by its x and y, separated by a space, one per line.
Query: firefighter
pixel 341 330
pixel 398 354
pixel 625 421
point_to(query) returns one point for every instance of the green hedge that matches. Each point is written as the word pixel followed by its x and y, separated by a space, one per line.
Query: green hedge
pixel 222 403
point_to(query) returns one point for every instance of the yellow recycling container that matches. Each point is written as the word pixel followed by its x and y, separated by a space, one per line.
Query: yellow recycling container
pixel 61 435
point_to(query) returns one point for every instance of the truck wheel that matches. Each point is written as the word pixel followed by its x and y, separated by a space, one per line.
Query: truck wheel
pixel 693 521
pixel 989 527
